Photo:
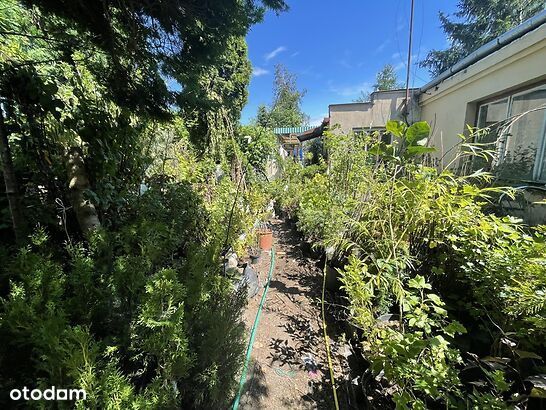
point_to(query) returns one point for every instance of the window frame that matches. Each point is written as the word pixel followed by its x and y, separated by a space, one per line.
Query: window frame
pixel 491 102
pixel 503 143
pixel 539 159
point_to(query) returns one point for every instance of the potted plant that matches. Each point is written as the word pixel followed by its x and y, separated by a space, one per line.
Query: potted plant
pixel 265 238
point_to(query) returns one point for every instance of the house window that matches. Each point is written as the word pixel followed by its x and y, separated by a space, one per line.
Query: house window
pixel 386 137
pixel 521 147
pixel 491 113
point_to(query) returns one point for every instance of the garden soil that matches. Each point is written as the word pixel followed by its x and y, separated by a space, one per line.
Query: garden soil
pixel 288 369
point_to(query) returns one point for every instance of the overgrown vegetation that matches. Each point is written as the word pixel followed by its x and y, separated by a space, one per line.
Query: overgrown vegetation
pixel 447 299
pixel 127 177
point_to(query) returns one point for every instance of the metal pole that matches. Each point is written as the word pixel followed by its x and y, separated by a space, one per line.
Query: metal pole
pixel 409 54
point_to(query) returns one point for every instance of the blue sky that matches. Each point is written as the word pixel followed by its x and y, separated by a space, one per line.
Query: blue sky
pixel 336 48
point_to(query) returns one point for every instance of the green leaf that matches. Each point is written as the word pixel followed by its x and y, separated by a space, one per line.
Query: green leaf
pixel 527 355
pixel 396 128
pixel 377 150
pixel 435 299
pixel 454 328
pixel 439 310
pixel 419 283
pixel 416 132
pixel 419 150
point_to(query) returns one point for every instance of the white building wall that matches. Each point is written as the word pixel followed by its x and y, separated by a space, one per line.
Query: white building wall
pixel 451 105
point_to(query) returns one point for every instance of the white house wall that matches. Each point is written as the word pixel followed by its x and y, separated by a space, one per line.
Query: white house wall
pixel 451 105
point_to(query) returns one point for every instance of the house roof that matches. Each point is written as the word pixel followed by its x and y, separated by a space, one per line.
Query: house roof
pixel 314 132
pixel 292 130
pixel 489 48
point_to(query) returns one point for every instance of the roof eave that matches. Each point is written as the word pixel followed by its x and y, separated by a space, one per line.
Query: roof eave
pixel 488 49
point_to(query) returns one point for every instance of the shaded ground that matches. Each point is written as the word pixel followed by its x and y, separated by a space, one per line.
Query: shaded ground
pixel 289 333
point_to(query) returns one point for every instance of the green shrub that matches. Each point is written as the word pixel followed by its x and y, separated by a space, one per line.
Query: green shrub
pixel 418 243
pixel 139 318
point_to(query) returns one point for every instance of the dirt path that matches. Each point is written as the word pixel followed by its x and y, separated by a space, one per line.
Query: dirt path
pixel 289 333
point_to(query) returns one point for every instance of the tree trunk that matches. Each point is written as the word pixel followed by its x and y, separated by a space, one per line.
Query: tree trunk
pixel 77 183
pixel 12 188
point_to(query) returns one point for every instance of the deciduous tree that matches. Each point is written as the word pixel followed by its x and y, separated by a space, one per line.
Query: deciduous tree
pixel 386 79
pixel 285 111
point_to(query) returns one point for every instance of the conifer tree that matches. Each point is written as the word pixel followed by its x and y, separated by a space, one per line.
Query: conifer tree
pixel 475 23
pixel 385 80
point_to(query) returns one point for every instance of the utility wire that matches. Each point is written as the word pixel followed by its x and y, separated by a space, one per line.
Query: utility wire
pixel 416 64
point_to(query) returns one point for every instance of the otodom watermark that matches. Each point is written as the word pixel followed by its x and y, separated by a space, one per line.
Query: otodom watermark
pixel 52 394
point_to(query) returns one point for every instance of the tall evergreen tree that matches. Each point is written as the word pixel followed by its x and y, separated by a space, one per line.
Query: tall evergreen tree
pixel 475 23
pixel 263 118
pixel 215 94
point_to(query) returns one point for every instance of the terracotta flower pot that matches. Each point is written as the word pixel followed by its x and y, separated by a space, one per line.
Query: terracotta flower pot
pixel 265 239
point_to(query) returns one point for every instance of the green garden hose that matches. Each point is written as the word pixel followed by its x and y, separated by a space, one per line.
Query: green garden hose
pixel 326 341
pixel 253 332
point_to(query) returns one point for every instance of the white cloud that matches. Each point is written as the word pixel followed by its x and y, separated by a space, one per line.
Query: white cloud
pixel 316 121
pixel 351 90
pixel 382 46
pixel 297 53
pixel 258 71
pixel 275 52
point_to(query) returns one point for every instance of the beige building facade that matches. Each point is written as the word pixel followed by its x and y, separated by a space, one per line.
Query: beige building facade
pixel 504 84
pixel 369 116
pixel 500 87
pixel 503 80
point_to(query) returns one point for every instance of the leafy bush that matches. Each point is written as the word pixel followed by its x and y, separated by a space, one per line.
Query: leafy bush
pixel 419 359
pixel 416 243
pixel 259 145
